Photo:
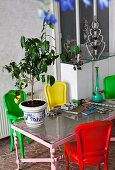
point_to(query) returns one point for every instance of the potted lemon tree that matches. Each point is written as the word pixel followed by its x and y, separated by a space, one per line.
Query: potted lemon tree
pixel 39 54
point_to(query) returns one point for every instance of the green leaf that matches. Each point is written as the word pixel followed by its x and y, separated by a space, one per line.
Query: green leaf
pixel 8 68
pixel 65 58
pixel 51 26
pixel 45 46
pixel 43 79
pixel 22 40
pixel 43 35
pixel 49 61
pixel 16 74
pixel 37 77
pixel 43 67
pixel 18 92
pixel 52 52
pixel 75 49
pixel 50 80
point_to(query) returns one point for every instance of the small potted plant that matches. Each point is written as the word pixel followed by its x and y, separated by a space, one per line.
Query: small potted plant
pixel 39 54
pixel 70 55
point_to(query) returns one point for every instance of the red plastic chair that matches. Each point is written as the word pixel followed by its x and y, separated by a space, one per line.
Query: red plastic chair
pixel 91 147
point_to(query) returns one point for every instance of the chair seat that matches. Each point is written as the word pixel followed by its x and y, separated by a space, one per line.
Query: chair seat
pixel 71 149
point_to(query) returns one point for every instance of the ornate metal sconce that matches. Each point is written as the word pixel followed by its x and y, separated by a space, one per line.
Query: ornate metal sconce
pixel 95 44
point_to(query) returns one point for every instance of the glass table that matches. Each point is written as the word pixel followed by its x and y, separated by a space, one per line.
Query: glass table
pixel 55 132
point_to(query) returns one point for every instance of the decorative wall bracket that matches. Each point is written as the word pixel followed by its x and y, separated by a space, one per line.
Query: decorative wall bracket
pixel 95 44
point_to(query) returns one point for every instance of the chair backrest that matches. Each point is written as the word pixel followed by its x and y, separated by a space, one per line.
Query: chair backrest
pixel 93 140
pixel 109 87
pixel 11 107
pixel 55 94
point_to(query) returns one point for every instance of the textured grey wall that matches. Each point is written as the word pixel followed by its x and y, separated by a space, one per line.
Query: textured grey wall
pixel 17 17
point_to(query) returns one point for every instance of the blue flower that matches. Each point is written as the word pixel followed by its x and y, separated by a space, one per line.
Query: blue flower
pixel 66 4
pixel 87 3
pixel 47 17
pixel 103 4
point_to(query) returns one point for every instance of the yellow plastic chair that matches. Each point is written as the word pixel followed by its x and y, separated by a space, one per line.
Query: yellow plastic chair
pixel 55 94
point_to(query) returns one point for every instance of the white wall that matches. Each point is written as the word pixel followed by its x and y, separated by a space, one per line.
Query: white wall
pixel 17 18
pixel 81 83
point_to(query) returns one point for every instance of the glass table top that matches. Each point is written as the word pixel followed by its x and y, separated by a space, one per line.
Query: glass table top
pixel 88 58
pixel 104 55
pixel 63 125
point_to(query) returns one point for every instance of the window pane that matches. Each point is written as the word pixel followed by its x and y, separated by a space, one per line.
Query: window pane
pixel 68 26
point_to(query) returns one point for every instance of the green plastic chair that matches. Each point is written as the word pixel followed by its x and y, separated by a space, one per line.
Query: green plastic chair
pixel 14 114
pixel 109 87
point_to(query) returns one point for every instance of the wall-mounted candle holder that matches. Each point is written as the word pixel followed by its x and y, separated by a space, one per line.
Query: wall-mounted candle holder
pixel 95 44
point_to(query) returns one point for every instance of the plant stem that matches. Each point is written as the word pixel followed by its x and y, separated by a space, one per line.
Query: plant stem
pixel 32 90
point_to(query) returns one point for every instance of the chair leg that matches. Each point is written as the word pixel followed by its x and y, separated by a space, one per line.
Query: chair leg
pixel 98 167
pixel 106 165
pixel 11 140
pixel 29 140
pixel 66 160
pixel 20 138
pixel 81 167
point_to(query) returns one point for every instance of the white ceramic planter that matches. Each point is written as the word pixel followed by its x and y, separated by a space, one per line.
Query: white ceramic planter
pixel 34 116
